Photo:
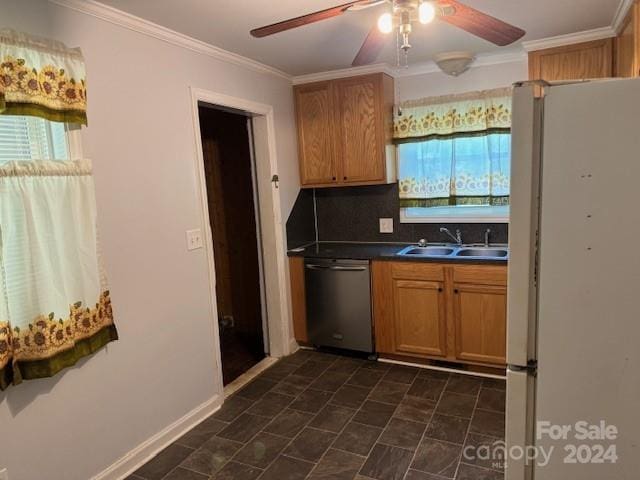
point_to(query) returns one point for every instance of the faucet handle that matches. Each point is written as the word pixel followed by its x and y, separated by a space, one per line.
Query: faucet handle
pixel 422 242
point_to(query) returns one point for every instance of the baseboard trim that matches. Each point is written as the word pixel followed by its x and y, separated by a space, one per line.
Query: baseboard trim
pixel 440 369
pixel 249 375
pixel 141 454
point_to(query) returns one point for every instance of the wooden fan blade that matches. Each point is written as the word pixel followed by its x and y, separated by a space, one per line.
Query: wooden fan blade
pixel 371 48
pixel 480 24
pixel 304 19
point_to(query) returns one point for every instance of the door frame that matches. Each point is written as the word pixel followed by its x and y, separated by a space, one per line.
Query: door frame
pixel 279 320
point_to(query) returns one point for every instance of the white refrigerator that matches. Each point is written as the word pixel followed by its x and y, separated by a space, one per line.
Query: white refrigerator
pixel 573 335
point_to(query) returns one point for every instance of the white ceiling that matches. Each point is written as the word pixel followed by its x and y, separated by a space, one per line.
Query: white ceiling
pixel 332 44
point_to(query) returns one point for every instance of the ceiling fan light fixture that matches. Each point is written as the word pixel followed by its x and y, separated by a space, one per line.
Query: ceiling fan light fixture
pixel 426 12
pixel 454 63
pixel 385 23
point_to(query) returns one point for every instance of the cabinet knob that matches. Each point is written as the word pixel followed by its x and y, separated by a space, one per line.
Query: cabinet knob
pixel 456 290
pixel 345 178
pixel 333 178
pixel 440 289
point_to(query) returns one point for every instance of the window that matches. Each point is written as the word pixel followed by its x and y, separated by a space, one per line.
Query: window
pixel 33 138
pixel 455 179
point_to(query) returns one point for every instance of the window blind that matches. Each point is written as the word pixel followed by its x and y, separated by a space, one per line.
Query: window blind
pixel 32 138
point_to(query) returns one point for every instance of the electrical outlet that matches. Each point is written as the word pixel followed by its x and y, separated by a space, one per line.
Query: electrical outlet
pixel 386 225
pixel 194 242
pixel 4 474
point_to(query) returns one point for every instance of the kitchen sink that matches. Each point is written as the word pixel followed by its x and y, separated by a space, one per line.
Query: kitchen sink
pixel 472 252
pixel 427 251
pixel 482 252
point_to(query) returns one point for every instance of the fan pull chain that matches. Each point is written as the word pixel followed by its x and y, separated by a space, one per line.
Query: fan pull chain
pixel 396 83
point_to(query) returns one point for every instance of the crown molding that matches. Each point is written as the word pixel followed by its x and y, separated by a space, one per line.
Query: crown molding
pixel 342 73
pixel 481 60
pixel 145 27
pixel 621 15
pixel 398 72
pixel 569 39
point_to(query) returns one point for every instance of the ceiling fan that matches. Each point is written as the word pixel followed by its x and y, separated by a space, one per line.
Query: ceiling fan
pixel 402 15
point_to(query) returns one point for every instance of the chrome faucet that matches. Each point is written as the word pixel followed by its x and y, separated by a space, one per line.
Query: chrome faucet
pixel 486 237
pixel 457 237
pixel 422 242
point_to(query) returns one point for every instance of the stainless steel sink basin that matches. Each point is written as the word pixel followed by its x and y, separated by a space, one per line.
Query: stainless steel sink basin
pixel 427 251
pixel 482 252
pixel 471 252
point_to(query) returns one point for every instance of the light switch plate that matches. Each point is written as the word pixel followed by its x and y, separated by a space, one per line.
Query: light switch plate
pixel 4 474
pixel 194 242
pixel 386 225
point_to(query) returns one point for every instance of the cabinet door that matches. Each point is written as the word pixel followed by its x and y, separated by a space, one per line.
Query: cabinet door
pixel 573 62
pixel 480 313
pixel 315 118
pixel 298 299
pixel 419 317
pixel 626 46
pixel 360 129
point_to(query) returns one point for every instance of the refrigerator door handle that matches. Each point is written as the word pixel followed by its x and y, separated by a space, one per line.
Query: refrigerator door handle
pixel 531 368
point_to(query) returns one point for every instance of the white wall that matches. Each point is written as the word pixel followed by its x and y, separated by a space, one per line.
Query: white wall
pixel 141 140
pixel 477 78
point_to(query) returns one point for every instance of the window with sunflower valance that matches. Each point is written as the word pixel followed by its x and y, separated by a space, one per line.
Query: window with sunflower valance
pixel 55 307
pixel 455 151
pixel 43 78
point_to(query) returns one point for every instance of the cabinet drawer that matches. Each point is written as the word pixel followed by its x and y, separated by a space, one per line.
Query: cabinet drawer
pixel 418 271
pixel 480 274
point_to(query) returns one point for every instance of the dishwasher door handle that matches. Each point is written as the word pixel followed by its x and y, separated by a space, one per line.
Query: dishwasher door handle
pixel 336 268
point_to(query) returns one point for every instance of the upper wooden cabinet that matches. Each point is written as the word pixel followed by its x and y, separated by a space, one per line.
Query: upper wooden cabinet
pixel 573 62
pixel 315 112
pixel 344 131
pixel 627 45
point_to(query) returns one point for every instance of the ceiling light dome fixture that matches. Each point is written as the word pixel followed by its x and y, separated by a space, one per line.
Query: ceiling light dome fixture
pixel 454 63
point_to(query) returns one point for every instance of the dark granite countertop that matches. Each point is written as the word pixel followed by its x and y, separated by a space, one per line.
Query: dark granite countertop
pixel 376 251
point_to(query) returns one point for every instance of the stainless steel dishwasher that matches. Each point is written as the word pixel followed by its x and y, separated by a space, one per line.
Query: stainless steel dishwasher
pixel 339 303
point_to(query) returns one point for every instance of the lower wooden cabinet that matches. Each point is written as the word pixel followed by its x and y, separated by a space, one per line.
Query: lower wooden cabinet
pixel 420 322
pixel 480 313
pixel 440 311
pixel 298 299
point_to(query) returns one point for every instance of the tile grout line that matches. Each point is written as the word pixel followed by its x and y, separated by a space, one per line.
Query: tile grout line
pixel 244 444
pixel 360 369
pixel 390 418
pixel 466 437
pixel 435 408
pixel 347 422
pixel 302 429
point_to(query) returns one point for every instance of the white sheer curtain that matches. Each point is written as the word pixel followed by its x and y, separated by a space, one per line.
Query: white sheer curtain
pixel 473 170
pixel 54 305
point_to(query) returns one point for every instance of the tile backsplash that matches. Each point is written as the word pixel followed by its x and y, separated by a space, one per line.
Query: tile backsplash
pixel 352 214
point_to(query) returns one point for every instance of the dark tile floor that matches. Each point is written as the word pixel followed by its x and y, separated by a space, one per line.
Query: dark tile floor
pixel 323 417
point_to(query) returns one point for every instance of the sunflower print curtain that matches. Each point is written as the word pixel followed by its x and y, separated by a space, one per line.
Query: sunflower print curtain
pixel 483 111
pixel 42 78
pixel 54 302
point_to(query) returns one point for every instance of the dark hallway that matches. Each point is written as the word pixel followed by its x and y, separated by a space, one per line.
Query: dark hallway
pixel 232 213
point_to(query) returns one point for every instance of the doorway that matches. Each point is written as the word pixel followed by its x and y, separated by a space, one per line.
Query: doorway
pixel 232 197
